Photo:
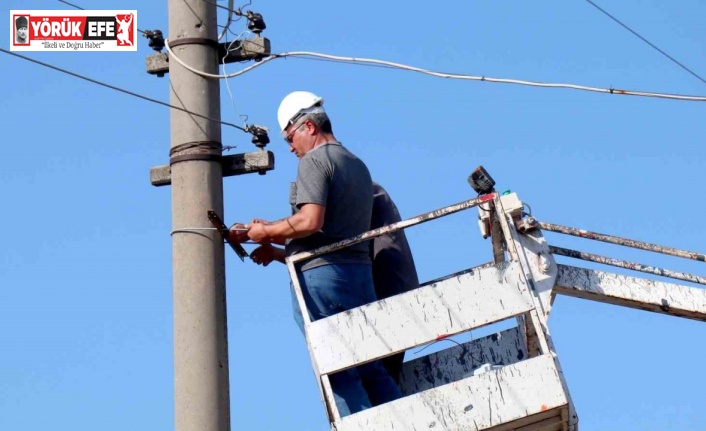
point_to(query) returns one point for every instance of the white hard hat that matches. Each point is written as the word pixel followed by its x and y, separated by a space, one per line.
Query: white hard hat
pixel 296 104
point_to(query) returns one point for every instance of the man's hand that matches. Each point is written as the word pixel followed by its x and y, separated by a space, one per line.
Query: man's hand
pixel 257 232
pixel 238 233
pixel 265 254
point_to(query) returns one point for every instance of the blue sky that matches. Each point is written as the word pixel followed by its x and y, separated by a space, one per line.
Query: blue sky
pixel 85 260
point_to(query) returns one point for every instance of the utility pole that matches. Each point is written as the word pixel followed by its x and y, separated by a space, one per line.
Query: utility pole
pixel 201 382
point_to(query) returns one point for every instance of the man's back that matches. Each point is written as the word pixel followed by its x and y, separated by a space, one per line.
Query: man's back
pixel 393 264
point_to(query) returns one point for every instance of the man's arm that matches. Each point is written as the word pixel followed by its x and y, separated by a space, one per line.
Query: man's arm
pixel 308 220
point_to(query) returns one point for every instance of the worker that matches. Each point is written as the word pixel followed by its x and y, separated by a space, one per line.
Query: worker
pixel 394 271
pixel 393 266
pixel 332 199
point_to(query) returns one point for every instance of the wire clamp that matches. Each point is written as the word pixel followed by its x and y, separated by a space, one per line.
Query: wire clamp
pixel 193 41
pixel 197 156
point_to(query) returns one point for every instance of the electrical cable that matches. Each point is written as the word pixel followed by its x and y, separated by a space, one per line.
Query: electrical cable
pixel 528 207
pixel 230 19
pixel 79 7
pixel 371 61
pixel 344 62
pixel 647 41
pixel 368 61
pixel 131 93
pixel 589 1
pixel 225 29
pixel 230 30
pixel 464 350
pixel 235 11
pixel 230 93
pixel 211 75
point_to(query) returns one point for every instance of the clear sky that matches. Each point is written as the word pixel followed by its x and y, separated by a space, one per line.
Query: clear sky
pixel 85 258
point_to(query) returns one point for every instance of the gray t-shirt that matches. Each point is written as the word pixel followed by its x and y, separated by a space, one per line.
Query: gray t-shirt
pixel 332 176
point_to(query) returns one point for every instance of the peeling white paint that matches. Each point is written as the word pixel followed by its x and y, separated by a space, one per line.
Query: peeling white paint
pixel 458 362
pixel 498 397
pixel 633 292
pixel 395 324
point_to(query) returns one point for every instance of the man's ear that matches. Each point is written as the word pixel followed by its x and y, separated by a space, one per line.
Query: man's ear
pixel 310 127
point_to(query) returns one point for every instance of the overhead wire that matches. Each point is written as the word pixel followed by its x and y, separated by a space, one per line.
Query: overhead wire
pixel 375 62
pixel 381 63
pixel 230 19
pixel 122 90
pixel 647 41
pixel 226 28
pixel 230 93
pixel 80 8
pixel 230 9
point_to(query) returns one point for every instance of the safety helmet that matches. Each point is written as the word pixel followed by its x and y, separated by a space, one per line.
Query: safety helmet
pixel 297 104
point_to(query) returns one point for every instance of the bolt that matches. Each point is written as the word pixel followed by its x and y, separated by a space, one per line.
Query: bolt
pixel 544 264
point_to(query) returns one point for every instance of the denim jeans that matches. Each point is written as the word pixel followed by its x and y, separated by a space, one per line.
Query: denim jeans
pixel 331 289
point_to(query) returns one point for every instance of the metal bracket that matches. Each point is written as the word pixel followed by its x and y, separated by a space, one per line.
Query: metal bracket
pixel 195 156
pixel 223 229
pixel 193 41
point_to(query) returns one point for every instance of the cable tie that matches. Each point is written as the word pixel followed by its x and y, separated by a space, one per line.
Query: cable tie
pixel 190 230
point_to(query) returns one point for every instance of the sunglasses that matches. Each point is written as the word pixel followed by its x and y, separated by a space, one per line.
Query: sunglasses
pixel 288 138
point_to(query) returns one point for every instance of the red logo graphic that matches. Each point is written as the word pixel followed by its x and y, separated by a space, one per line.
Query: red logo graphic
pixel 126 35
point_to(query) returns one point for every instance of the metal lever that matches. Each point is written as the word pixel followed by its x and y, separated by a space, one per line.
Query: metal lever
pixel 223 229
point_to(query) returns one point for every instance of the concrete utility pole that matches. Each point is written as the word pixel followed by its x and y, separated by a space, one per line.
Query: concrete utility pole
pixel 201 383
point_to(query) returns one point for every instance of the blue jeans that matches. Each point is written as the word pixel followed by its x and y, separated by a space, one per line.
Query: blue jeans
pixel 331 289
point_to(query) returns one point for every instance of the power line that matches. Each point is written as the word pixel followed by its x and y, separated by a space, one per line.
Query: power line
pixel 80 8
pixel 230 93
pixel 231 12
pixel 112 87
pixel 225 29
pixel 647 41
pixel 238 11
pixel 375 62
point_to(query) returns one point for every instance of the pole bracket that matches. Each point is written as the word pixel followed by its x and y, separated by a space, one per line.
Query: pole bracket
pixel 193 41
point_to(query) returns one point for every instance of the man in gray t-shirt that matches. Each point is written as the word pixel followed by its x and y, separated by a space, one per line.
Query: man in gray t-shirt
pixel 331 176
pixel 333 200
